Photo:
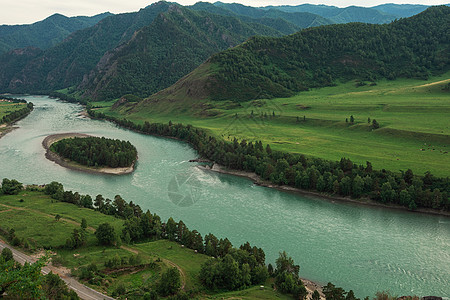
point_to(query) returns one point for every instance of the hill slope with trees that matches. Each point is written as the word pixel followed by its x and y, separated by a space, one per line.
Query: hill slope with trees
pixel 322 56
pixel 172 46
pixel 65 64
pixel 32 70
pixel 46 33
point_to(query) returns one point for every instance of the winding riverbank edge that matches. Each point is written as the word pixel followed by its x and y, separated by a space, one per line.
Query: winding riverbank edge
pixel 7 128
pixel 50 155
pixel 10 126
pixel 284 188
pixel 256 179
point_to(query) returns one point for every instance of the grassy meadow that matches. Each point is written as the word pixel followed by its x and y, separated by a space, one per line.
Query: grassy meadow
pixel 7 107
pixel 413 116
pixel 32 215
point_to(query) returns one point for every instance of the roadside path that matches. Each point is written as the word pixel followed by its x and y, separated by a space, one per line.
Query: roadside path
pixel 84 292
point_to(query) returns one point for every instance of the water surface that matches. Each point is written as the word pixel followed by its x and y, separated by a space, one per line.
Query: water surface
pixel 357 247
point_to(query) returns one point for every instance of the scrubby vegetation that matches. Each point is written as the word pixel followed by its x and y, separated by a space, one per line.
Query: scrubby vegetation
pixel 96 152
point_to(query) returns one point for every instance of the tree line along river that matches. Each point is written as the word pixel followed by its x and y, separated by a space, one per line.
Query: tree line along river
pixel 367 249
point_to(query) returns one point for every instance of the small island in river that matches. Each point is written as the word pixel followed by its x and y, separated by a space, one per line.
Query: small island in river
pixel 91 154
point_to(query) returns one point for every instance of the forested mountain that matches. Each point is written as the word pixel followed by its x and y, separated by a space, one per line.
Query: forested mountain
pixel 120 55
pixel 44 34
pixel 66 63
pixel 277 23
pixel 340 15
pixel 279 67
pixel 300 19
pixel 401 10
pixel 158 55
pixel 85 54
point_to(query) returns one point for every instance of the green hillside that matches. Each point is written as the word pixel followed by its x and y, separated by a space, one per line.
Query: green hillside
pixel 83 56
pixel 44 34
pixel 66 63
pixel 323 56
pixel 414 131
pixel 172 46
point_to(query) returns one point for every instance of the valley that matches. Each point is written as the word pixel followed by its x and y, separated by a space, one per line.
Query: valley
pixel 414 131
pixel 316 132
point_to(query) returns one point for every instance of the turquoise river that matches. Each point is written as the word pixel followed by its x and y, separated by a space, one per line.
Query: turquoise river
pixel 367 249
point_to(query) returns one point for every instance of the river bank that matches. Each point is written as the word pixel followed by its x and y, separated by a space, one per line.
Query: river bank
pixel 256 179
pixel 5 129
pixel 367 202
pixel 50 155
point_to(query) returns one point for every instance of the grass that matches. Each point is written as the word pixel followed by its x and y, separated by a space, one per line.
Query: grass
pixel 7 107
pixel 413 114
pixel 189 261
pixel 44 231
pixel 251 293
pixel 33 219
pixel 36 208
pixel 40 202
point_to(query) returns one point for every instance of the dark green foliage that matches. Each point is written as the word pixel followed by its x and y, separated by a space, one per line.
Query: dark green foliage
pixel 315 57
pixel 169 283
pixel 286 277
pixel 375 124
pixel 55 288
pixel 95 151
pixel 6 254
pixel 21 282
pixel 11 187
pixel 332 292
pixel 45 33
pixel 67 98
pixel 77 239
pixel 105 234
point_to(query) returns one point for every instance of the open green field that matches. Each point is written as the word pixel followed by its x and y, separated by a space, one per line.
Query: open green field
pixel 413 115
pixel 7 107
pixel 33 219
pixel 189 261
pixel 39 202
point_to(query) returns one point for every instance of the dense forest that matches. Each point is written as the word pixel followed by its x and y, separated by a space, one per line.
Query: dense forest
pixel 343 178
pixel 96 152
pixel 160 54
pixel 18 114
pixel 266 67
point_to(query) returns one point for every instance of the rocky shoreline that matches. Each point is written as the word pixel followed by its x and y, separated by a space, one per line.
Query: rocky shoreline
pixel 50 155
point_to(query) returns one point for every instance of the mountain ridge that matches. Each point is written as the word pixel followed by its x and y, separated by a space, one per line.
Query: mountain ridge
pixel 412 47
pixel 175 34
pixel 46 33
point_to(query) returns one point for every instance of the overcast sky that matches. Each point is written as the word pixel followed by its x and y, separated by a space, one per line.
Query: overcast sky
pixel 29 11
